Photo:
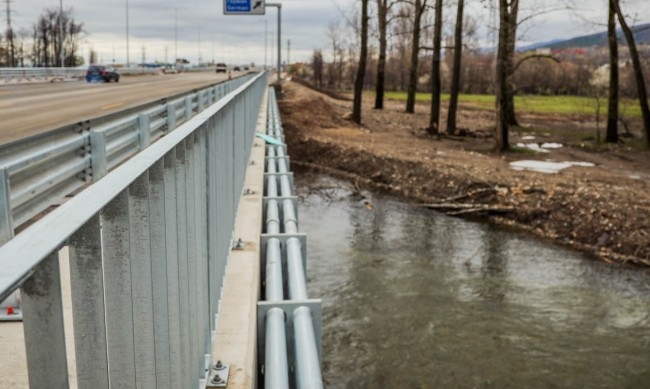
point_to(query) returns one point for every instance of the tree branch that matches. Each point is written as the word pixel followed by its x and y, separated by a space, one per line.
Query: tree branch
pixel 534 56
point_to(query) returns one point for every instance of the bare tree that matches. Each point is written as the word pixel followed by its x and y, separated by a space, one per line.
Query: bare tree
pixel 317 68
pixel 418 10
pixel 334 36
pixel 434 118
pixel 11 48
pixel 612 106
pixel 638 70
pixel 361 68
pixel 48 42
pixel 503 66
pixel 383 19
pixel 456 69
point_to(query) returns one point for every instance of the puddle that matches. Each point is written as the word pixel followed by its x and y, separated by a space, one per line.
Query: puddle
pixel 540 148
pixel 546 166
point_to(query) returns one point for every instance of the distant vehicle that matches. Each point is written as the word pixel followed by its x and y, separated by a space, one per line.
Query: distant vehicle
pixel 237 69
pixel 99 73
pixel 222 68
pixel 246 68
pixel 170 69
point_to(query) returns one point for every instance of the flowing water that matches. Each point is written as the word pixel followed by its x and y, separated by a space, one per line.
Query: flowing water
pixel 416 299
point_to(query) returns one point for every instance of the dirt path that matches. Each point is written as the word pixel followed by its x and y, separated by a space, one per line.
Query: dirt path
pixel 604 209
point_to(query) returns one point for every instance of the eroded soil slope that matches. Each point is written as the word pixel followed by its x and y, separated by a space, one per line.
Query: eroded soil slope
pixel 604 209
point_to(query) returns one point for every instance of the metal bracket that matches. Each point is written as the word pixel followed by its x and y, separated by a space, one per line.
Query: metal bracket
pixel 264 239
pixel 288 306
pixel 287 159
pixel 239 245
pixel 280 199
pixel 218 375
pixel 277 177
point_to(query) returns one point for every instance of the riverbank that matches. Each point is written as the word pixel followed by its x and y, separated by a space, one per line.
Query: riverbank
pixel 603 209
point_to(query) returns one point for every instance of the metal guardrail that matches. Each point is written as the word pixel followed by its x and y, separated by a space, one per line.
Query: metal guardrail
pixel 289 329
pixel 38 172
pixel 148 247
pixel 8 75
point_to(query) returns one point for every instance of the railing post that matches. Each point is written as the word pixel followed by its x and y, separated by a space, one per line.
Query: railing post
pixel 43 325
pixel 200 98
pixel 6 233
pixel 118 298
pixel 98 156
pixel 144 129
pixel 6 220
pixel 171 117
pixel 188 108
pixel 87 287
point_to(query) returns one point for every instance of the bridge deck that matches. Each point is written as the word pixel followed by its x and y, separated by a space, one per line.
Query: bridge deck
pixel 235 340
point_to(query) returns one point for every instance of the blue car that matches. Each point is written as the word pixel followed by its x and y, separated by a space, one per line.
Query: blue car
pixel 99 73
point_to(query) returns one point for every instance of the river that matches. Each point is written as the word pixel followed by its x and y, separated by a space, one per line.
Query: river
pixel 417 299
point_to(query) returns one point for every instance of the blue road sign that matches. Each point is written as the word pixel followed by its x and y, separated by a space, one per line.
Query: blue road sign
pixel 244 7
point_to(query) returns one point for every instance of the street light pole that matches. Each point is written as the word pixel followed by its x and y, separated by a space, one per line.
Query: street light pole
pixel 127 34
pixel 279 6
pixel 61 32
pixel 175 35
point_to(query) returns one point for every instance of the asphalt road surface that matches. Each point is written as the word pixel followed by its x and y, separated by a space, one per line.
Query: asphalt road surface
pixel 28 109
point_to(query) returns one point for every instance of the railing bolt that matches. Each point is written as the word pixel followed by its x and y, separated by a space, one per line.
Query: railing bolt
pixel 217 380
pixel 239 245
pixel 249 192
pixel 252 163
pixel 219 366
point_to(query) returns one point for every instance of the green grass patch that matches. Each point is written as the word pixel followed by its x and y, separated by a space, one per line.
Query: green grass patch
pixel 560 105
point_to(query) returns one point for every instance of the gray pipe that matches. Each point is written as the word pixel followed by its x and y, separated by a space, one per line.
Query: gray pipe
pixel 276 370
pixel 308 373
pixel 296 271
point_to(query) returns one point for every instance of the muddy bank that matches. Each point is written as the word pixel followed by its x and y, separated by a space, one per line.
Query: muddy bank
pixel 604 209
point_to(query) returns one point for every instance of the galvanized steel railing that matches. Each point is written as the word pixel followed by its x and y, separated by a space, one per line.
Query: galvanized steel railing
pixel 8 75
pixel 40 171
pixel 289 323
pixel 148 246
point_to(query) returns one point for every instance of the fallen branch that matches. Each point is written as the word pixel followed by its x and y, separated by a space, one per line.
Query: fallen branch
pixel 468 194
pixel 468 208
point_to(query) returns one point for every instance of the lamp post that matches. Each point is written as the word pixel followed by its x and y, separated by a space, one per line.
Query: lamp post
pixel 127 34
pixel 279 6
pixel 61 33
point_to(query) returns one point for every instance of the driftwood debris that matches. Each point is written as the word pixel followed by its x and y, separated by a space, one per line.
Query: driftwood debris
pixel 464 208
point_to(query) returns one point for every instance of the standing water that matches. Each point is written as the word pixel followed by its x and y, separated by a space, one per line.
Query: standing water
pixel 416 299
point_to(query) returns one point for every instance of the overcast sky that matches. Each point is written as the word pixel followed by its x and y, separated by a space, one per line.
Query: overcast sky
pixel 204 30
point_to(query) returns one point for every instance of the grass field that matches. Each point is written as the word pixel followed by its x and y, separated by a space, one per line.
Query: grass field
pixel 562 105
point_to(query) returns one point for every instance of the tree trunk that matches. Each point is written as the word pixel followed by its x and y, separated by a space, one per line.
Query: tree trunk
pixel 638 71
pixel 612 106
pixel 361 70
pixel 455 75
pixel 501 87
pixel 511 117
pixel 434 119
pixel 382 22
pixel 415 52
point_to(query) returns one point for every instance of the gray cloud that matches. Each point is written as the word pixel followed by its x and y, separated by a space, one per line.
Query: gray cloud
pixel 241 38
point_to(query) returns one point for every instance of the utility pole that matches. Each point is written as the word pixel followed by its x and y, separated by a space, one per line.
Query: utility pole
pixel 279 6
pixel 288 52
pixel 266 41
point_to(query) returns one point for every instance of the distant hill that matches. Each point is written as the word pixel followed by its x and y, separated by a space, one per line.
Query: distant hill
pixel 641 35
